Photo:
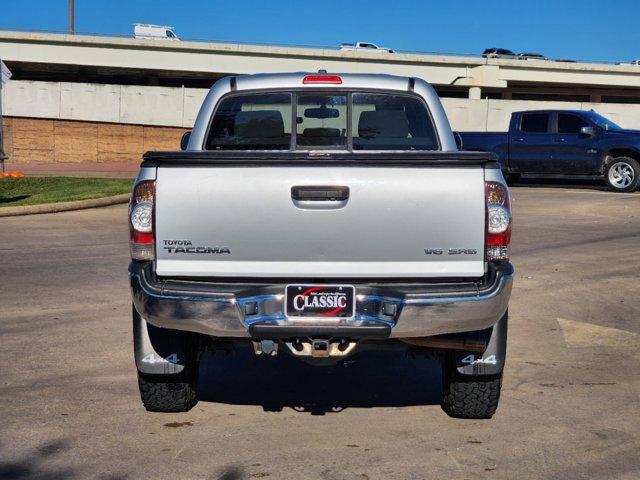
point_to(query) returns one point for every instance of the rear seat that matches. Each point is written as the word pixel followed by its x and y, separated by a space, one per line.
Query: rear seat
pixel 378 124
pixel 384 128
pixel 260 127
pixel 318 136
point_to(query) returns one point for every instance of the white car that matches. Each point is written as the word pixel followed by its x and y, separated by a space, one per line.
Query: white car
pixel 532 56
pixel 153 32
pixel 365 46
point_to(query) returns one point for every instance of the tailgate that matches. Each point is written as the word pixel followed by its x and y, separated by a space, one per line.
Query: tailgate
pixel 244 222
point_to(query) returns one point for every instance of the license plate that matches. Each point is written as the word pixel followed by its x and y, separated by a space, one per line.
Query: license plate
pixel 320 301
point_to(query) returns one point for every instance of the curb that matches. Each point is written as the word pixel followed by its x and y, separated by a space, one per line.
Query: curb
pixel 64 206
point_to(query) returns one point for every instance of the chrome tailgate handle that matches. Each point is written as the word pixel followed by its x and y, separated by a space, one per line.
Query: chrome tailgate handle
pixel 314 193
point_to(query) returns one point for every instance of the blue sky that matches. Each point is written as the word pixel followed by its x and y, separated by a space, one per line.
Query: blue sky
pixel 578 29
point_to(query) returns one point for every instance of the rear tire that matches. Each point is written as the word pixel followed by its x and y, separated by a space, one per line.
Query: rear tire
pixel 622 174
pixel 173 392
pixel 469 396
pixel 168 393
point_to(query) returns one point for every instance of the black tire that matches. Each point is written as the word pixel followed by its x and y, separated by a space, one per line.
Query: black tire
pixel 173 392
pixel 622 174
pixel 469 396
pixel 168 393
pixel 512 178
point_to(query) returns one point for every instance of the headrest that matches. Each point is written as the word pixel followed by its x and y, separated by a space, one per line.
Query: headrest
pixel 259 124
pixel 321 132
pixel 383 124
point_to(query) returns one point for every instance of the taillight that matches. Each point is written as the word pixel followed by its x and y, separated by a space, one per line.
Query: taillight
pixel 498 221
pixel 310 79
pixel 141 221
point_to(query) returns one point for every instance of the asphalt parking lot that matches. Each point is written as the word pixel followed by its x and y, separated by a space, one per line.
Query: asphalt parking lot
pixel 571 395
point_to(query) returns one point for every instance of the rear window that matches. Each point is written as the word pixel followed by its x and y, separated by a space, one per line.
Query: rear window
pixel 534 122
pixel 391 122
pixel 367 121
pixel 252 122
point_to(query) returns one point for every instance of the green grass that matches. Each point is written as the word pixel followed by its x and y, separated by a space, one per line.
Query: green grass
pixel 36 190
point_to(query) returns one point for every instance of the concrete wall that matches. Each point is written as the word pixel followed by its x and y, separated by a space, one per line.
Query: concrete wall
pixel 178 107
pixel 137 105
pixel 494 115
pixel 73 122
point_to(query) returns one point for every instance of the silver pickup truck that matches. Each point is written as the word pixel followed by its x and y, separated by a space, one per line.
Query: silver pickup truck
pixel 321 215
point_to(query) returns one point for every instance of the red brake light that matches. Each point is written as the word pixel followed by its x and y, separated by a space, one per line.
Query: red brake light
pixel 142 221
pixel 498 222
pixel 310 79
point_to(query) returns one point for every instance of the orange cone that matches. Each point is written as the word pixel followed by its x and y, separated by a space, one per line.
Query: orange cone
pixel 16 174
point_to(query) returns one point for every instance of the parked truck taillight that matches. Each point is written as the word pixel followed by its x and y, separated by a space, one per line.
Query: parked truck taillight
pixel 498 221
pixel 141 221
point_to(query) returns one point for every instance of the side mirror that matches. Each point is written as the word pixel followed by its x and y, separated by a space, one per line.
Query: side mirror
pixel 458 138
pixel 184 141
pixel 588 131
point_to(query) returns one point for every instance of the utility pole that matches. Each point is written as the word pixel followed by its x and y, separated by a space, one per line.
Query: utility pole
pixel 2 154
pixel 5 75
pixel 72 26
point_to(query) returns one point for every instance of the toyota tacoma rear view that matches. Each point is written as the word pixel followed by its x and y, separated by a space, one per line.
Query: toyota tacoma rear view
pixel 319 215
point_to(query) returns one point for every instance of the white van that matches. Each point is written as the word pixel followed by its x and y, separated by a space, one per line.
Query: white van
pixel 153 32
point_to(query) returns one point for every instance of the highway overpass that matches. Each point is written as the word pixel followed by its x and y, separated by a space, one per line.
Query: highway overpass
pixel 92 84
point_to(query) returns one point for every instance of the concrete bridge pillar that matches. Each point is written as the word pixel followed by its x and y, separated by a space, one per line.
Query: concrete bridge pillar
pixel 475 93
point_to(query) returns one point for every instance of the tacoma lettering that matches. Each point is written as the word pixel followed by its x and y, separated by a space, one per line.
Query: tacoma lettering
pixel 205 250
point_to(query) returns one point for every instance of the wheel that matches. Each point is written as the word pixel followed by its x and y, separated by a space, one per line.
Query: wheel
pixel 623 174
pixel 168 393
pixel 173 392
pixel 167 362
pixel 512 178
pixel 469 396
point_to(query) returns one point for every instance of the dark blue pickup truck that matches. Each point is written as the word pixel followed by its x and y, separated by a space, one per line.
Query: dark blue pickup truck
pixel 563 142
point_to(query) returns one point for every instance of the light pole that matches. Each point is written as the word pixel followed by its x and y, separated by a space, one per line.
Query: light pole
pixel 2 154
pixel 72 22
pixel 5 75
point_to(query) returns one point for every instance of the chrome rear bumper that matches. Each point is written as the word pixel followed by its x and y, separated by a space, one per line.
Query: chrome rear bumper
pixel 383 310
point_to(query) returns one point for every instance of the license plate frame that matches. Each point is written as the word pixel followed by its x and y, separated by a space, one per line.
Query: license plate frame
pixel 331 311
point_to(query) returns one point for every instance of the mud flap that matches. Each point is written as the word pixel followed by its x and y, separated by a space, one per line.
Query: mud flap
pixel 161 351
pixel 491 361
